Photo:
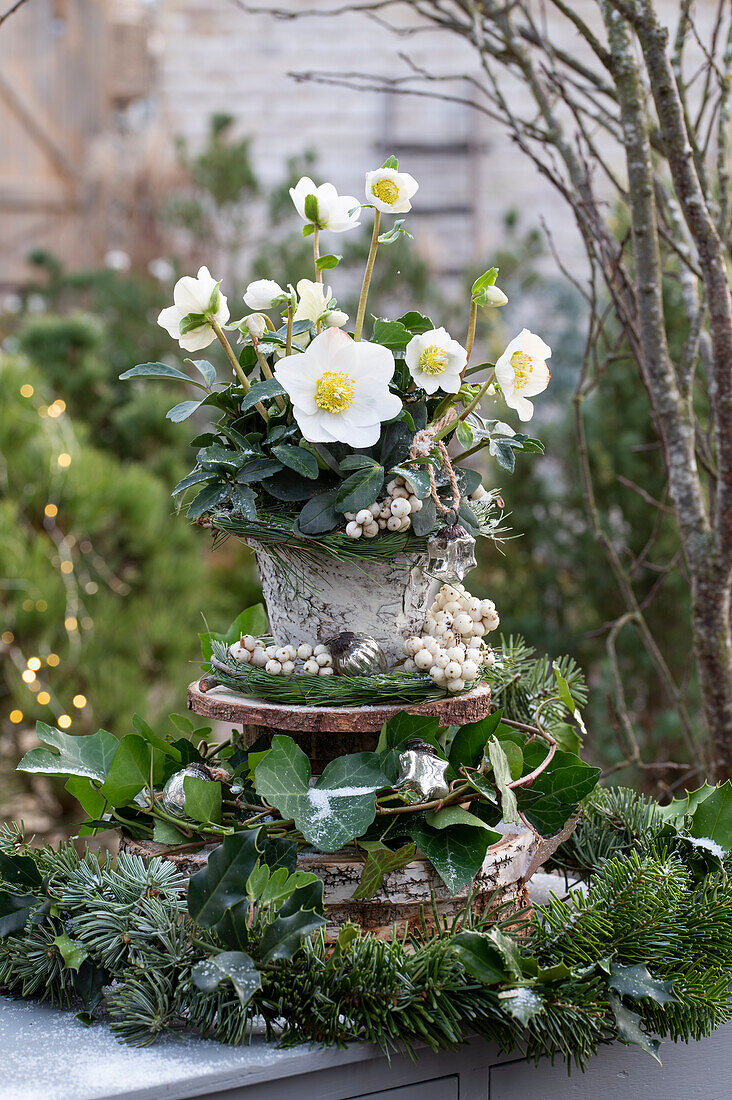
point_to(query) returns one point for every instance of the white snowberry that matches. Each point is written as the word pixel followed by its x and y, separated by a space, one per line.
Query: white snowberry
pixel 324 660
pixel 470 670
pixel 311 668
pixel 455 685
pixel 415 504
pixel 273 668
pixel 320 649
pixel 364 516
pixel 394 524
pixel 259 657
pixel 304 651
pixel 354 530
pixel 453 671
pixel 423 659
pixel 400 508
pixel 326 670
pixel 288 667
pixel 438 675
pixel 370 530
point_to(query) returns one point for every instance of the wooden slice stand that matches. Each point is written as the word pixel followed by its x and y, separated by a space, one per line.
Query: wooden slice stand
pixel 324 733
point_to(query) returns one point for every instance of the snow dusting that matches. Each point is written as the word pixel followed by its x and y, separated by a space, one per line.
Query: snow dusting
pixel 322 799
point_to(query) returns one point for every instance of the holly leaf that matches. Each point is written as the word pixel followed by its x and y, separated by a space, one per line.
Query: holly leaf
pixel 629 1028
pixel 521 1003
pixel 73 952
pixel 222 883
pixel 300 916
pixel 380 862
pixel 234 966
pixel 89 756
pixel 339 807
pixel 15 911
pixel 678 808
pixel 480 957
pixel 456 853
pixel 502 775
pixel 636 982
pixel 712 818
pixel 19 871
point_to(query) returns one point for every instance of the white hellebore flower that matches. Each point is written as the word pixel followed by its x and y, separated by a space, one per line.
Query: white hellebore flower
pixel 335 212
pixel 522 372
pixel 313 301
pixel 195 296
pixel 340 389
pixel 336 318
pixel 261 293
pixel 494 296
pixel 390 190
pixel 256 325
pixel 436 361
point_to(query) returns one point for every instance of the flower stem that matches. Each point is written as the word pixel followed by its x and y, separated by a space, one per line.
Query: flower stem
pixel 236 365
pixel 367 277
pixel 470 338
pixel 316 255
pixel 468 409
pixel 288 348
pixel 267 373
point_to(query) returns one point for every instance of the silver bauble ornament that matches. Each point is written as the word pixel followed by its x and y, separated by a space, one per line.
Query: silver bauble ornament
pixel 357 655
pixel 173 799
pixel 451 552
pixel 422 772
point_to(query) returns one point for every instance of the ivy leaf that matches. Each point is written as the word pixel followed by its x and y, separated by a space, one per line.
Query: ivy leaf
pixel 502 775
pixel 456 853
pixel 712 818
pixel 298 459
pixel 73 952
pixel 145 730
pixel 380 862
pixel 158 370
pixel 636 982
pixel 468 744
pixel 299 917
pixel 235 966
pixel 339 807
pixel 89 756
pixel 554 796
pixel 202 799
pixel 129 772
pixel 629 1028
pixel 318 515
pixel 87 795
pixel 456 815
pixel 390 334
pixel 222 883
pixel 164 832
pixel 404 726
pixel 361 489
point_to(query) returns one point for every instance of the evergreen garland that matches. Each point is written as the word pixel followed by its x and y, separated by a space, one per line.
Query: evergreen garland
pixel 647 950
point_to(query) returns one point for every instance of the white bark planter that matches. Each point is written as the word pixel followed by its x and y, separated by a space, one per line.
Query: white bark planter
pixel 406 895
pixel 310 596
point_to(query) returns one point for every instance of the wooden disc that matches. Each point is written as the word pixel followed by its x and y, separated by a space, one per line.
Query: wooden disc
pixel 226 706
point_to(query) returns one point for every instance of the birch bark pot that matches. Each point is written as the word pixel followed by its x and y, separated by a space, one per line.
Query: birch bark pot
pixel 406 896
pixel 312 597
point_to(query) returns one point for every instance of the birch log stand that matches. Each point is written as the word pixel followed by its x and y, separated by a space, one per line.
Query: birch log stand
pixel 406 895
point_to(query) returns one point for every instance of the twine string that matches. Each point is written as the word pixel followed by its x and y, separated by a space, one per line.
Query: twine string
pixel 423 444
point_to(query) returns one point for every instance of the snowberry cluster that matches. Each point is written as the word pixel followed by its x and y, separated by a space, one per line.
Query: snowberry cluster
pixel 391 514
pixel 451 646
pixel 282 660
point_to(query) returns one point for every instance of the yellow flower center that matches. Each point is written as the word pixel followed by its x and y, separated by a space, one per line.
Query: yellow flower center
pixel 386 191
pixel 522 365
pixel 335 391
pixel 433 360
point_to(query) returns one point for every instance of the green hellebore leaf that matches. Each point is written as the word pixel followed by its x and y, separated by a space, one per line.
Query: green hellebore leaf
pixel 191 322
pixel 417 323
pixel 194 478
pixel 207 499
pixel 360 490
pixel 319 514
pixel 417 479
pixel 391 334
pixel 298 459
pixel 324 263
pixel 205 369
pixel 488 278
pixel 392 234
pixel 263 391
pixel 182 411
pixel 311 210
pixel 159 370
pixel 89 756
pixel 391 162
